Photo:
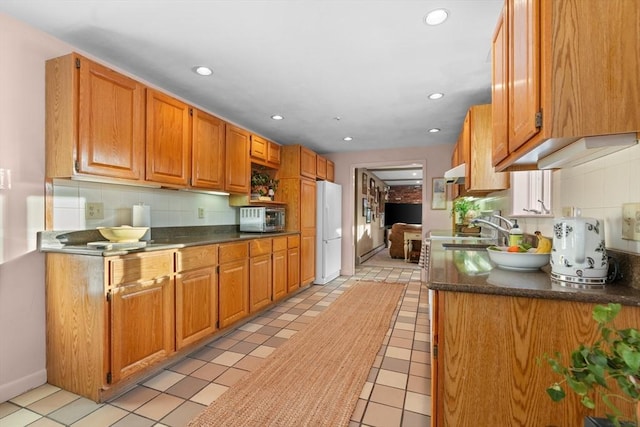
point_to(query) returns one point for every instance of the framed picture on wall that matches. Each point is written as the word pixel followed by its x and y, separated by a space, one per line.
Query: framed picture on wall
pixel 438 194
pixel 365 206
pixel 372 184
pixel 364 184
pixel 368 216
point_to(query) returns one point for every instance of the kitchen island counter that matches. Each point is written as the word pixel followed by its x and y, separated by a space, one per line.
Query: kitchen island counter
pixel 472 271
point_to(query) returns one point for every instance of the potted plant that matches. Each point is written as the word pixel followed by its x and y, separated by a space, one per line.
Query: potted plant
pixel 613 358
pixel 464 210
pixel 263 186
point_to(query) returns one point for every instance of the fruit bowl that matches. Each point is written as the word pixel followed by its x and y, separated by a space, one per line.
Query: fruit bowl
pixel 518 261
pixel 123 234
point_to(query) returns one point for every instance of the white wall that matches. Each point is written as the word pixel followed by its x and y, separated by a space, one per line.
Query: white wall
pixel 435 160
pixel 22 324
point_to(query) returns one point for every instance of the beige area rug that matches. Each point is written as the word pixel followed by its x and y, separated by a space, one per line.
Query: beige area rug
pixel 315 378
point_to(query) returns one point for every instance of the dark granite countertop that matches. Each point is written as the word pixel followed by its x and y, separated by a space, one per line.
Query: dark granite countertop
pixel 75 242
pixel 472 271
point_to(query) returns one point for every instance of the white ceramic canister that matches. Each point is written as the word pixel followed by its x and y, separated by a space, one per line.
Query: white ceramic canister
pixel 579 254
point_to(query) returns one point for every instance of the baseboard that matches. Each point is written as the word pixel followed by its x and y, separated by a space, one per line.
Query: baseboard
pixel 21 385
pixel 372 252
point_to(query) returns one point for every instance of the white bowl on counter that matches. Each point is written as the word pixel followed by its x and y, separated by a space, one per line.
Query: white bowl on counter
pixel 123 234
pixel 517 261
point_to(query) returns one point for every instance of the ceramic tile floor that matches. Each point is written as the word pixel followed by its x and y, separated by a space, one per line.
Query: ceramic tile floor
pixel 396 394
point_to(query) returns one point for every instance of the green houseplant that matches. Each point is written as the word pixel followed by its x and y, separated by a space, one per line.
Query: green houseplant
pixel 462 208
pixel 263 184
pixel 613 357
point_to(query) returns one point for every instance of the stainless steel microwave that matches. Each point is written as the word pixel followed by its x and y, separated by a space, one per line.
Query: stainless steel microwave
pixel 262 219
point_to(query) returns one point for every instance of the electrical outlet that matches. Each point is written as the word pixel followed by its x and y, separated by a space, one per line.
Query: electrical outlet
pixel 94 210
pixel 631 221
pixel 200 213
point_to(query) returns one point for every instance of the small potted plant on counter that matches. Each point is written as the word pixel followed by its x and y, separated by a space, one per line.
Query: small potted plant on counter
pixel 612 358
pixel 464 210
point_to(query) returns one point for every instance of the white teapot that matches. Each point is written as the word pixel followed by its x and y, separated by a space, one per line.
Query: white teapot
pixel 579 254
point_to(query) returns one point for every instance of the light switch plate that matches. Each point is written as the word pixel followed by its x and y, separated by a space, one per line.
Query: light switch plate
pixel 631 221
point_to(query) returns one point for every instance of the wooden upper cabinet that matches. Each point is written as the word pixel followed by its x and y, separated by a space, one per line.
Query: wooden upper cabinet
pixel 308 163
pixel 94 120
pixel 273 154
pixel 298 161
pixel 208 141
pixel 570 70
pixel 331 171
pixel 499 93
pixel 523 58
pixel 264 152
pixel 476 143
pixel 238 165
pixel 259 148
pixel 321 167
pixel 168 139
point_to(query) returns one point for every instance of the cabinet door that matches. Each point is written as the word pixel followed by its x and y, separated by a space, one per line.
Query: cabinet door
pixel 321 167
pixel 110 123
pixel 499 93
pixel 168 139
pixel 279 277
pixel 307 163
pixel 233 291
pixel 259 147
pixel 308 231
pixel 273 154
pixel 260 282
pixel 293 269
pixel 207 162
pixel 142 325
pixel 331 171
pixel 196 305
pixel 238 166
pixel 524 70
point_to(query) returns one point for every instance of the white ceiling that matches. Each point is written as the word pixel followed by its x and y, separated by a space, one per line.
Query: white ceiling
pixel 371 63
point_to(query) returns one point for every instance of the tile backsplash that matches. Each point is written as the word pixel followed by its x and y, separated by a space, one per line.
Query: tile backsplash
pixel 169 208
pixel 599 188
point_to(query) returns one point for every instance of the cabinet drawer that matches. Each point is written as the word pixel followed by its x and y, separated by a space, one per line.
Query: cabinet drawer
pixel 279 244
pixel 260 247
pixel 258 148
pixel 196 257
pixel 293 241
pixel 140 267
pixel 233 251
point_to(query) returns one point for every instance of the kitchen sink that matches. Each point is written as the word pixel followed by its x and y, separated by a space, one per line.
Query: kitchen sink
pixel 466 246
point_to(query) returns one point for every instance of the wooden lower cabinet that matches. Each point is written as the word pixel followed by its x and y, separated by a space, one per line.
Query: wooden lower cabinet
pixel 233 283
pixel 293 263
pixel 279 268
pixel 142 326
pixel 260 282
pixel 486 361
pixel 196 294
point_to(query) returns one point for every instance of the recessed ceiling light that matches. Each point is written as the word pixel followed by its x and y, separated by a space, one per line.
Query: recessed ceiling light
pixel 414 173
pixel 436 95
pixel 434 130
pixel 277 117
pixel 436 17
pixel 202 70
pixel 347 138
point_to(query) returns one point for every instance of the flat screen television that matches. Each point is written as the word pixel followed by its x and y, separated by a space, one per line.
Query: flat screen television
pixel 409 213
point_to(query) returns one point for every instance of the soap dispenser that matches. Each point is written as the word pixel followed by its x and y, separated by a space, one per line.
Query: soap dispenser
pixel 515 234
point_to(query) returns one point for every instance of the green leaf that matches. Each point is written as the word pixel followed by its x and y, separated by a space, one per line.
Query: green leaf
pixel 605 314
pixel 577 386
pixel 631 358
pixel 556 392
pixel 586 401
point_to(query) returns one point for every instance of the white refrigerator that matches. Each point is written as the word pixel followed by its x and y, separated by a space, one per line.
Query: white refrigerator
pixel 329 231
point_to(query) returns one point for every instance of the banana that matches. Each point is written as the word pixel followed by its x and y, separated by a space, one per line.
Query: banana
pixel 544 244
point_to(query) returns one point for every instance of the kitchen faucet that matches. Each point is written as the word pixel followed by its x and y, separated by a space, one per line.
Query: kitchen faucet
pixel 503 231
